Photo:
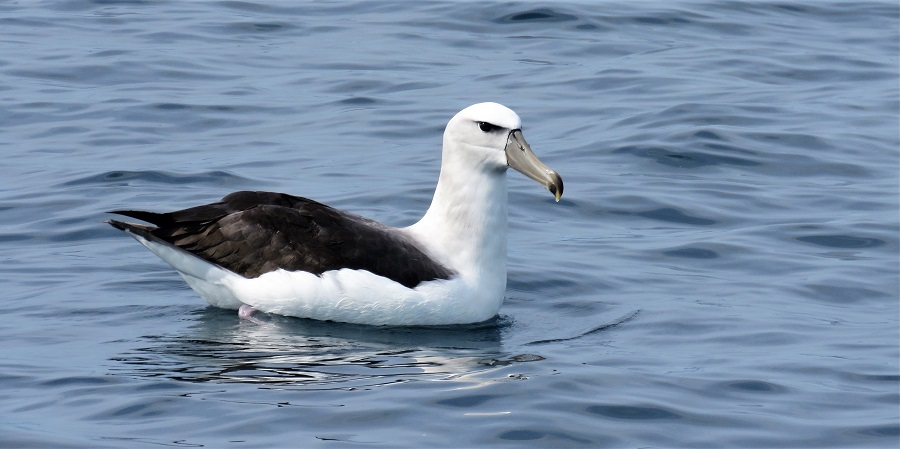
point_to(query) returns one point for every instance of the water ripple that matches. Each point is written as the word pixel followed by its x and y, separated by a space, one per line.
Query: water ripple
pixel 731 172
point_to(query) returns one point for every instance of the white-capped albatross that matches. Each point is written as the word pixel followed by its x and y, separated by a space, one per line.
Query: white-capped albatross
pixel 292 256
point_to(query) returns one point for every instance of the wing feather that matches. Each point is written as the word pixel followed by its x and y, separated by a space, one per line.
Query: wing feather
pixel 252 233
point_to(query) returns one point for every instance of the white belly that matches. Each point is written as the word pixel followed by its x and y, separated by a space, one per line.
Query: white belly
pixel 353 296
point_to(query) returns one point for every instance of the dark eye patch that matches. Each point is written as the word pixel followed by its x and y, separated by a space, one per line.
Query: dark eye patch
pixel 487 127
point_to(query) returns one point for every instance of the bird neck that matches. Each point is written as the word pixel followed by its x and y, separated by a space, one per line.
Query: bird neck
pixel 466 223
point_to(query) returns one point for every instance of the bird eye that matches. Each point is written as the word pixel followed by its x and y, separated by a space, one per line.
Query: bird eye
pixel 486 127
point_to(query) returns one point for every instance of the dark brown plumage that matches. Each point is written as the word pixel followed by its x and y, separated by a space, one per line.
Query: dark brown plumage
pixel 252 233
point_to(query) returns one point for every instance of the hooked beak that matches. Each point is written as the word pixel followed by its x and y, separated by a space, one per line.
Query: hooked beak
pixel 520 157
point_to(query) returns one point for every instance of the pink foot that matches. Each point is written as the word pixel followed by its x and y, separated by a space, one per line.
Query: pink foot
pixel 245 312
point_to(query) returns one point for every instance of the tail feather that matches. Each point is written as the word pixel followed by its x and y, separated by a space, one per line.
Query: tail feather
pixel 182 260
pixel 142 230
pixel 149 217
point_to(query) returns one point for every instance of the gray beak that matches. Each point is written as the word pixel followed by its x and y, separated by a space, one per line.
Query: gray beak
pixel 520 157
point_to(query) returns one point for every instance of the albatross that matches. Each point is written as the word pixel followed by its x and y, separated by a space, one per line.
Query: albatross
pixel 282 254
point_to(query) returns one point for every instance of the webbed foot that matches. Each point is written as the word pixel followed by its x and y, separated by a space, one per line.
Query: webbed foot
pixel 245 312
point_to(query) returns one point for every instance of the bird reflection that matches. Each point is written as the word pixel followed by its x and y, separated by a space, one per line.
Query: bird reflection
pixel 289 352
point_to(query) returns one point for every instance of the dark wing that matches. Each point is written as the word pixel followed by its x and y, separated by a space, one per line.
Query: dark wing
pixel 252 233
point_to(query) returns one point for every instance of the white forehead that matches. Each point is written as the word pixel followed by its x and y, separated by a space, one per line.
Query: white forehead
pixel 493 113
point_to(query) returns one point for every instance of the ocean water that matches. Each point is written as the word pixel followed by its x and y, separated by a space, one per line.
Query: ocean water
pixel 721 272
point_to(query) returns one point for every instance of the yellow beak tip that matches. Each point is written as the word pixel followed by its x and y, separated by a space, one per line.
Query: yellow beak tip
pixel 558 194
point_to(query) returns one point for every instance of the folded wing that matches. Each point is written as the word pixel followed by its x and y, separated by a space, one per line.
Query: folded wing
pixel 253 233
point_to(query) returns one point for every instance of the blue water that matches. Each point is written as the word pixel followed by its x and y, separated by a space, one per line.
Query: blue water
pixel 722 270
